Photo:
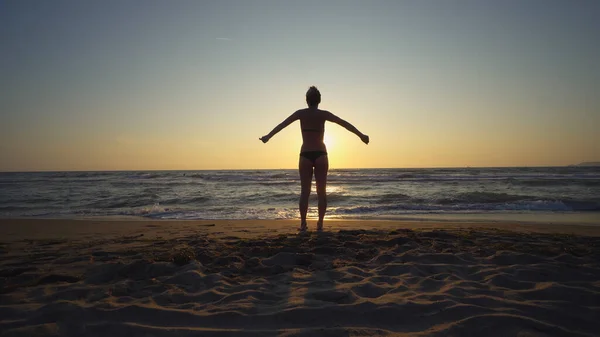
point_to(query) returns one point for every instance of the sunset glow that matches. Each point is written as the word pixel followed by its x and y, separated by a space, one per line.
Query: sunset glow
pixel 193 85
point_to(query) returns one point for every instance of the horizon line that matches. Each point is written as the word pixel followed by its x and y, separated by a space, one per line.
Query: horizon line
pixel 332 169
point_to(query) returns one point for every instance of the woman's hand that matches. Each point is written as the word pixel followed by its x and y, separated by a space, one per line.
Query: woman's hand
pixel 364 138
pixel 265 139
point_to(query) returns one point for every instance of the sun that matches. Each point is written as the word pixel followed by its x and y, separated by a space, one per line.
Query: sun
pixel 328 140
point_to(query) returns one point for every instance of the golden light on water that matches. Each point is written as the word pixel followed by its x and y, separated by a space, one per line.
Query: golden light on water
pixel 335 189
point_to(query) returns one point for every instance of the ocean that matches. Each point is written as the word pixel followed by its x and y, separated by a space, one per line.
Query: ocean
pixel 273 194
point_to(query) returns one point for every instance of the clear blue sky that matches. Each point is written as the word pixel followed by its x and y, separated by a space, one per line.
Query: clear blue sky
pixel 103 85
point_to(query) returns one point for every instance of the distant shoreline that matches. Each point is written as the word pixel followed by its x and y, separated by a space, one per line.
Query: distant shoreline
pixel 591 164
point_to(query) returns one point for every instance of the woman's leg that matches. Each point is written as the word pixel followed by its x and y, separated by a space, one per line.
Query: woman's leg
pixel 306 172
pixel 321 168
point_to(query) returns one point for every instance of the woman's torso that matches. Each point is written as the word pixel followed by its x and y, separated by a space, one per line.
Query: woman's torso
pixel 312 124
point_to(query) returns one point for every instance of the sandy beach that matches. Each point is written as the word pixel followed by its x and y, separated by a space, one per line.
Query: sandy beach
pixel 131 277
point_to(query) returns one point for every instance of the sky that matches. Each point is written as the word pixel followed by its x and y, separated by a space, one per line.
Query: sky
pixel 186 85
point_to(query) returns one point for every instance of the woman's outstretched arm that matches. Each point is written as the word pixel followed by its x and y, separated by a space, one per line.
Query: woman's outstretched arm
pixel 293 117
pixel 335 119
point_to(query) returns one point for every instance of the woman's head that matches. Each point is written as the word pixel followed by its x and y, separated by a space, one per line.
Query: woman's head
pixel 313 96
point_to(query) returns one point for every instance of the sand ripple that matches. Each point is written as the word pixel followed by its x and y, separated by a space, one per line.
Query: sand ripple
pixel 346 283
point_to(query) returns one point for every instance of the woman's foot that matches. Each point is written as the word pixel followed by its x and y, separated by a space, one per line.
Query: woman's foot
pixel 320 226
pixel 303 227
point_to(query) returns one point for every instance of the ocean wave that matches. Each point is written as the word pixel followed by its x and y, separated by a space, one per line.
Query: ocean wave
pixel 395 197
pixel 180 183
pixel 185 200
pixel 482 197
pixel 391 176
pixel 27 199
pixel 190 194
pixel 332 198
pixel 123 202
pixel 278 176
pixel 144 176
pixel 406 176
pixel 119 184
pixel 267 198
pixel 532 205
pixel 262 197
pixel 14 208
pixel 230 213
pixel 278 183
pixel 150 210
pixel 466 177
pixel 557 182
pixel 159 211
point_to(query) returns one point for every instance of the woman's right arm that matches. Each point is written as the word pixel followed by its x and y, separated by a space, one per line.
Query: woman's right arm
pixel 335 119
pixel 293 117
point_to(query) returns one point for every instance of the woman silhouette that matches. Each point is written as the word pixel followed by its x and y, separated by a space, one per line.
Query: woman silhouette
pixel 313 154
